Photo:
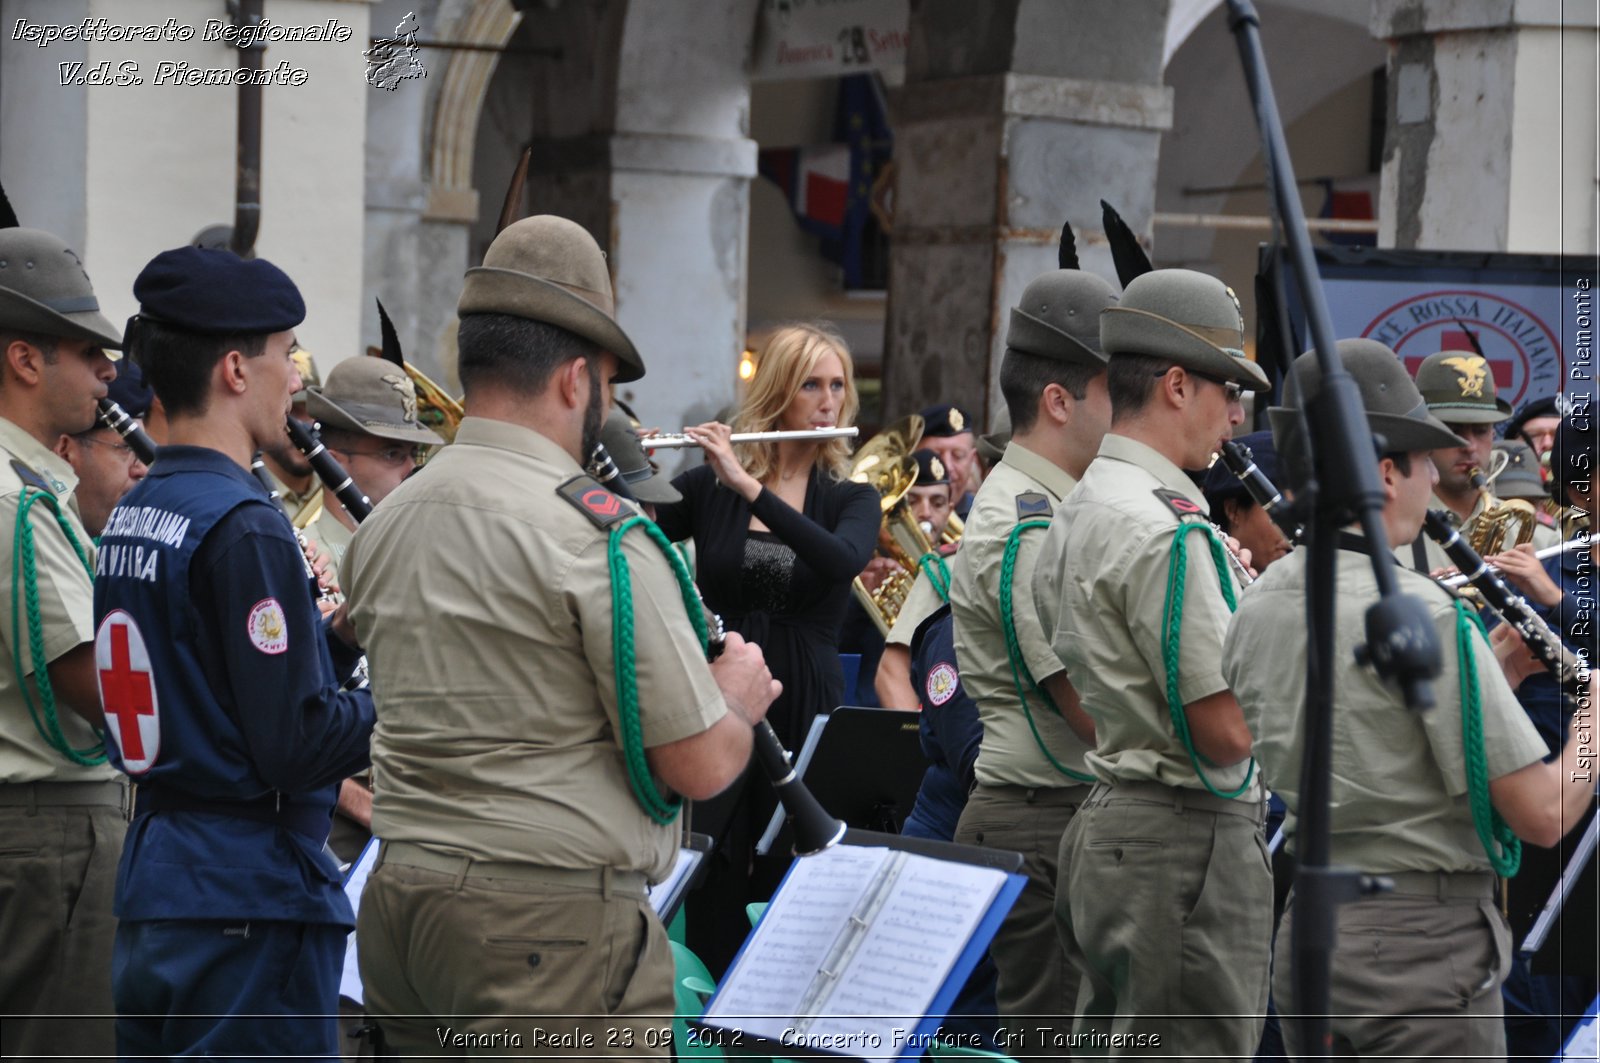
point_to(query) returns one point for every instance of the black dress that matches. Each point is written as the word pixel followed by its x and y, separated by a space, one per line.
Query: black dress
pixel 784 590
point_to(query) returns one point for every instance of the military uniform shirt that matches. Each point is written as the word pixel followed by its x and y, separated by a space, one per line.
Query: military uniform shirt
pixel 922 601
pixel 1110 546
pixel 1399 790
pixel 1010 756
pixel 66 609
pixel 497 729
pixel 300 508
pixel 329 533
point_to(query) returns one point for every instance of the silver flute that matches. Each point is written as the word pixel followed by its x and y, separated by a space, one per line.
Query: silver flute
pixel 678 440
pixel 1580 543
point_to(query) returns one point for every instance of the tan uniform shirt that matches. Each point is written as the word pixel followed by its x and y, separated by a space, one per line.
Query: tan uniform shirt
pixel 66 610
pixel 497 731
pixel 1399 790
pixel 1009 754
pixel 922 601
pixel 1437 558
pixel 300 508
pixel 329 533
pixel 1110 544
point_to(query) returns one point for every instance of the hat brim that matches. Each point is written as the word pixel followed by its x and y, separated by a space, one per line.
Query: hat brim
pixel 1401 434
pixel 1030 335
pixel 371 422
pixel 657 490
pixel 492 290
pixel 1471 413
pixel 1128 330
pixel 23 314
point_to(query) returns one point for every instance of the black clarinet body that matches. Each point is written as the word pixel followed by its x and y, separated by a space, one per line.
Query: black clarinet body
pixel 1568 668
pixel 132 433
pixel 1237 457
pixel 329 471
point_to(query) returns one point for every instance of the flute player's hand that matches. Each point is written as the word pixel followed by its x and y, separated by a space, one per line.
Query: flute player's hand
pixel 713 438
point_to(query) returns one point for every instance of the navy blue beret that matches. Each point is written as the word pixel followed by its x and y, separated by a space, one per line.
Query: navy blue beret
pixel 130 391
pixel 931 471
pixel 945 420
pixel 1221 483
pixel 206 290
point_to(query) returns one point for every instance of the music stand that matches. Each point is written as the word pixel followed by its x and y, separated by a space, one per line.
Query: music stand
pixel 864 766
pixel 1564 873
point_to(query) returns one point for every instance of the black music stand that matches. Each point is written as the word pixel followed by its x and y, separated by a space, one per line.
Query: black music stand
pixel 1558 937
pixel 863 765
pixel 666 896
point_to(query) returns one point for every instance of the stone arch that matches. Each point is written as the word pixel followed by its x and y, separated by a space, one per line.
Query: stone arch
pixel 452 195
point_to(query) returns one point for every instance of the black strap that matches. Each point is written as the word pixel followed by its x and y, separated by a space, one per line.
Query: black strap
pixel 310 820
pixel 1419 553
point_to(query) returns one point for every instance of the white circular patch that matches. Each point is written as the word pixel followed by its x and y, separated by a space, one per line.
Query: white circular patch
pixel 268 630
pixel 127 691
pixel 941 684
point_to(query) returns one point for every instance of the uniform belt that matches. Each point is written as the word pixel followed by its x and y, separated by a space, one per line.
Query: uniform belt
pixel 1180 798
pixel 111 793
pixel 603 880
pixel 1070 794
pixel 1441 885
pixel 311 820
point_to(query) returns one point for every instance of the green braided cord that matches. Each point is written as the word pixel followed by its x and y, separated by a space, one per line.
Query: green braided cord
pixel 938 572
pixel 25 583
pixel 1019 667
pixel 1172 629
pixel 658 807
pixel 1500 845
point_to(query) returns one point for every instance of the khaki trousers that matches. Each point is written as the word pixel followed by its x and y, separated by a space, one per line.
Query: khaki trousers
pixel 1166 910
pixel 1416 973
pixel 485 964
pixel 58 873
pixel 1037 988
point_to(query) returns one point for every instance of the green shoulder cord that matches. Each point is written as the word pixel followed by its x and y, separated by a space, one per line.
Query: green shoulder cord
pixel 659 808
pixel 1019 667
pixel 25 584
pixel 1503 848
pixel 1172 629
pixel 938 572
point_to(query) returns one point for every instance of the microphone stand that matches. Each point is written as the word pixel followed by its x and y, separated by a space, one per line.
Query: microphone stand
pixel 1341 485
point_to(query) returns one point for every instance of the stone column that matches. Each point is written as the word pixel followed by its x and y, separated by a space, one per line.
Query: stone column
pixel 1008 125
pixel 1491 125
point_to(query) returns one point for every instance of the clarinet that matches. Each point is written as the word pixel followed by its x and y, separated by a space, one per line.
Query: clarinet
pixel 1243 465
pixel 1568 668
pixel 814 829
pixel 132 433
pixel 330 472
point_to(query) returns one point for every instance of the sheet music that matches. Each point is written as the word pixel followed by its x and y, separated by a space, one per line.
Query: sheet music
pixel 913 941
pixel 661 894
pixel 892 923
pixel 350 978
pixel 799 930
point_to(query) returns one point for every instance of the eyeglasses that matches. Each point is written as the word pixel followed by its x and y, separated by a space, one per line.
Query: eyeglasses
pixel 123 450
pixel 395 455
pixel 1233 390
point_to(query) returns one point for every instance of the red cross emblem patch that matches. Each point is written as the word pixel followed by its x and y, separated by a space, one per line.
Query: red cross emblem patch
pixel 127 691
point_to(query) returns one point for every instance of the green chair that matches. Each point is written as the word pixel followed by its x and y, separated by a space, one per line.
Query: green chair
pixel 692 986
pixel 754 911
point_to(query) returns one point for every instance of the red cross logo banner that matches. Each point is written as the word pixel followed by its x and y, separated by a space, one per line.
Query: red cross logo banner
pixel 128 691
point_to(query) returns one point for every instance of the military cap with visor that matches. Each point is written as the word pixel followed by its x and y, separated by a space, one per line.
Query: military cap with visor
pixel 1394 407
pixel 1459 387
pixel 1520 477
pixel 371 396
pixel 549 269
pixel 1186 317
pixel 931 470
pixel 1058 317
pixel 44 289
pixel 621 441
pixel 992 446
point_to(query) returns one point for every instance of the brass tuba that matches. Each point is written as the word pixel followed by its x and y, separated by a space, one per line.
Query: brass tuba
pixel 885 463
pixel 1498 526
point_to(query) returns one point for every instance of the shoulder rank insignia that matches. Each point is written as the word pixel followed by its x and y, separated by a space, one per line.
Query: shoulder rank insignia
pixel 26 474
pixel 1032 505
pixel 1180 504
pixel 594 501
